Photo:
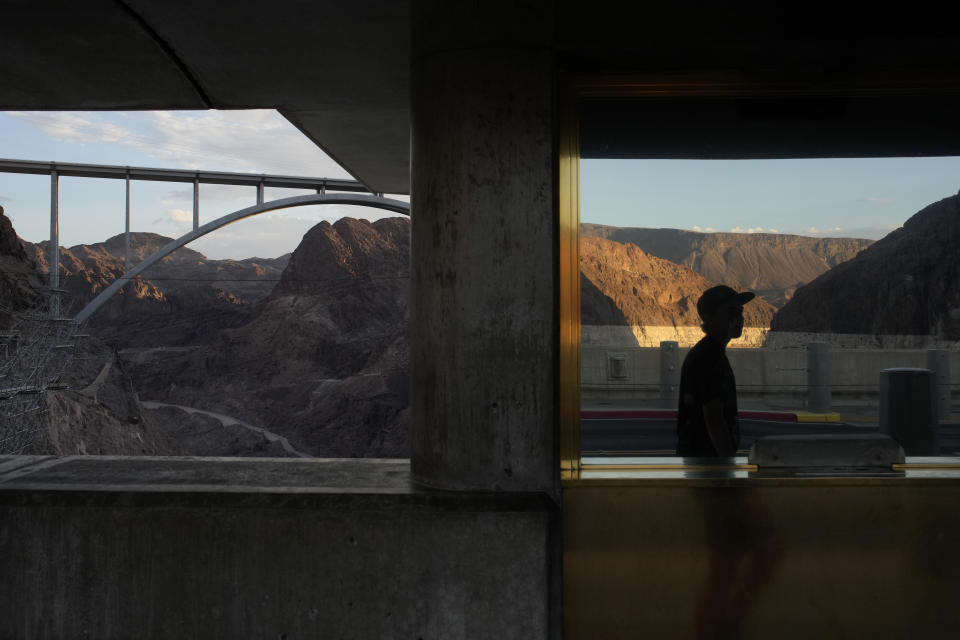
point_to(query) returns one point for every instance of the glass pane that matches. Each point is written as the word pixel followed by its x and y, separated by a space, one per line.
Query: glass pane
pixel 854 265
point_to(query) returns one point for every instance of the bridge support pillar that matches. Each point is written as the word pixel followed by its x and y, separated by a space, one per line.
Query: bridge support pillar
pixel 818 378
pixel 484 319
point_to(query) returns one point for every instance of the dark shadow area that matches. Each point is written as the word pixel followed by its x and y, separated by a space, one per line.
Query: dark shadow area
pixel 744 551
pixel 597 308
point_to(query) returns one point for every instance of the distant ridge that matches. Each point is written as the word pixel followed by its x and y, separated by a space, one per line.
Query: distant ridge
pixel 623 285
pixel 182 298
pixel 772 265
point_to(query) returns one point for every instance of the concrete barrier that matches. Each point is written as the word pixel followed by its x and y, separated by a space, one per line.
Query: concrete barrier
pixel 777 376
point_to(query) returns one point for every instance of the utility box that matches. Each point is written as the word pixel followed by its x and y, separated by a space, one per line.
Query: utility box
pixel 907 410
pixel 617 366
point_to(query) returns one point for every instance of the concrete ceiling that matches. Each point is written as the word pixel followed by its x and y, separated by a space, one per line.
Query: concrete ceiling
pixel 340 69
pixel 337 70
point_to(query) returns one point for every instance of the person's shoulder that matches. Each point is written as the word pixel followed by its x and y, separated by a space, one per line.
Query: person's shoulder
pixel 707 345
pixel 706 350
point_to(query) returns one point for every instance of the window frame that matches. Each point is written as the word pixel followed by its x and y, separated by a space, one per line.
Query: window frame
pixel 574 89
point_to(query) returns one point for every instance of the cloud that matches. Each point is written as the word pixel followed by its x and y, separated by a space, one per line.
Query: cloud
pixel 256 141
pixel 813 230
pixel 747 230
pixel 773 230
pixel 71 127
pixel 180 216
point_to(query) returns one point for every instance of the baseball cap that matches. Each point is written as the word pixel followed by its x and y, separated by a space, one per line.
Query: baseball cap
pixel 718 297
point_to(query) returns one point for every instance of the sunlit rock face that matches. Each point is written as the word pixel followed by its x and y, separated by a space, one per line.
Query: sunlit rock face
pixel 904 284
pixel 621 285
pixel 770 264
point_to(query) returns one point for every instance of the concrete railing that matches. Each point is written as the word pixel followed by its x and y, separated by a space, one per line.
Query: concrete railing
pixel 815 377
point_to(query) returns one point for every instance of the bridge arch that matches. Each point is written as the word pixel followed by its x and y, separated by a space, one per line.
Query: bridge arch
pixel 365 200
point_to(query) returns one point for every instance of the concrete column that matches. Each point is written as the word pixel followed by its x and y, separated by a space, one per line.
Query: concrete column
pixel 669 374
pixel 484 317
pixel 907 410
pixel 938 361
pixel 818 378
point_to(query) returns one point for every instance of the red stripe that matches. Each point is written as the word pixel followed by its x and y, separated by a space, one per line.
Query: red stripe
pixel 660 414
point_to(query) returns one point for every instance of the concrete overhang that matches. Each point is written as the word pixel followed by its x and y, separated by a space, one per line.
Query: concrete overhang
pixel 339 71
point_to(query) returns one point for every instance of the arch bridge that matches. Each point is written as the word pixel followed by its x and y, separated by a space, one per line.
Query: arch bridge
pixel 342 192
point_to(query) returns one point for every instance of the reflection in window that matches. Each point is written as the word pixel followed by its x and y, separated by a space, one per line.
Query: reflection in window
pixel 853 261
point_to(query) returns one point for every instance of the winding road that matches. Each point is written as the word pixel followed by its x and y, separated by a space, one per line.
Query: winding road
pixel 229 421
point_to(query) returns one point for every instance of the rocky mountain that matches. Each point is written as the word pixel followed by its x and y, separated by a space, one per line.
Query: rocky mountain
pixel 19 282
pixel 906 283
pixel 184 299
pixel 94 408
pixel 771 265
pixel 623 285
pixel 324 360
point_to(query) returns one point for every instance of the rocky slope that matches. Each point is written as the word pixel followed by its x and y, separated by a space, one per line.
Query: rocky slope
pixel 772 265
pixel 623 285
pixel 19 282
pixel 324 361
pixel 95 408
pixel 100 412
pixel 905 283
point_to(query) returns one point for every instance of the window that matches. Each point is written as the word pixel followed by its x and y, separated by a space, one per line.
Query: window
pixel 670 189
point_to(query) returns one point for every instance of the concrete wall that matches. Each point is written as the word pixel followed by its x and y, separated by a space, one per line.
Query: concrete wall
pixel 854 373
pixel 215 548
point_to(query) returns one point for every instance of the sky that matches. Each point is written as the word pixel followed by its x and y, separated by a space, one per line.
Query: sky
pixel 835 197
pixel 92 210
pixel 860 197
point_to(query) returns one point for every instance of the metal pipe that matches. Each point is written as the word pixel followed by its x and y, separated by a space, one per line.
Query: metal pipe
pixel 196 203
pixel 260 192
pixel 126 234
pixel 54 254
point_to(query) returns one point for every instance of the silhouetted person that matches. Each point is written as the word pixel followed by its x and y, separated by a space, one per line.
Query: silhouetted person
pixel 743 548
pixel 707 424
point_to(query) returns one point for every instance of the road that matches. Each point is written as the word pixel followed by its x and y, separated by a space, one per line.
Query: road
pixel 229 421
